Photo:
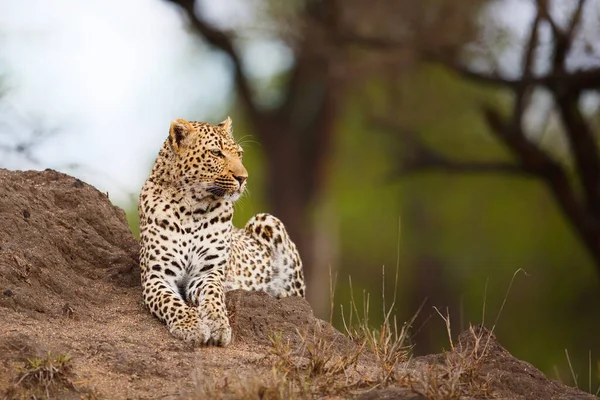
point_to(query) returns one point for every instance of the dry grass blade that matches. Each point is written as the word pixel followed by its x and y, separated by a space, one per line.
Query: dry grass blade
pixel 573 374
pixel 448 327
pixel 332 285
pixel 589 371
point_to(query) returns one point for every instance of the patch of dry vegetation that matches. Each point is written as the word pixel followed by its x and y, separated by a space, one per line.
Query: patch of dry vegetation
pixel 318 366
pixel 273 386
pixel 457 373
pixel 41 375
pixel 314 368
pixel 388 343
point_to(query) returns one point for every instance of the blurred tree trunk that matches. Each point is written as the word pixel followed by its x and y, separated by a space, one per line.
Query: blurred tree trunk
pixel 431 285
pixel 297 140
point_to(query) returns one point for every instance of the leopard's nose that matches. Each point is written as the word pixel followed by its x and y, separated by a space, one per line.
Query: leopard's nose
pixel 240 179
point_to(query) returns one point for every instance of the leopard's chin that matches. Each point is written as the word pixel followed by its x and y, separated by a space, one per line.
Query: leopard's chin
pixel 233 196
pixel 227 195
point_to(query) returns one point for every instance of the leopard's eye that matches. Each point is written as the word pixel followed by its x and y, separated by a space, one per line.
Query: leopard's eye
pixel 216 152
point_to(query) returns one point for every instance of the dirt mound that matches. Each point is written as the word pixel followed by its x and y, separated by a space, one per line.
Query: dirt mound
pixel 479 367
pixel 69 284
pixel 58 238
pixel 255 317
pixel 73 324
pixel 512 378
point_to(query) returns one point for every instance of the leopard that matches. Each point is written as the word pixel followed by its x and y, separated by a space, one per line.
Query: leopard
pixel 190 252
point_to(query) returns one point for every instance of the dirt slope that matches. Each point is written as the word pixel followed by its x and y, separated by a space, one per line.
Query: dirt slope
pixel 69 283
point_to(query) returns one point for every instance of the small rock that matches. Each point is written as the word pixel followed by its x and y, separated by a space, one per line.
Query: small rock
pixel 68 311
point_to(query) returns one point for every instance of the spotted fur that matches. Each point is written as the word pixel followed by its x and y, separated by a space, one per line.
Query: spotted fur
pixel 191 253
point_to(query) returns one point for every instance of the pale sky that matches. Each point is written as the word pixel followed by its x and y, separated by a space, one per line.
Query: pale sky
pixel 110 75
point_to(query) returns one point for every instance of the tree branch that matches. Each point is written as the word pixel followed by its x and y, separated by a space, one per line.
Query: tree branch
pixel 584 148
pixel 424 158
pixel 575 20
pixel 419 164
pixel 530 156
pixel 583 79
pixel 579 135
pixel 522 92
pixel 542 8
pixel 553 174
pixel 370 42
pixel 223 42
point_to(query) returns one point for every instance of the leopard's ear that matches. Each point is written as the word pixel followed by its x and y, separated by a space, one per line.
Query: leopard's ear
pixel 227 126
pixel 178 133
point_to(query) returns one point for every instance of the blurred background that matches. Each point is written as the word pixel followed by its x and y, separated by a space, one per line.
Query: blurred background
pixel 452 144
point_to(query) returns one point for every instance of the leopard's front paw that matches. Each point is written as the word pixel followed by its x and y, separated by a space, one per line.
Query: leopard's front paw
pixel 191 328
pixel 220 331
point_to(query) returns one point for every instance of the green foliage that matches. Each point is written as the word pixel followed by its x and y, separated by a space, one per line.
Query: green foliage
pixel 133 219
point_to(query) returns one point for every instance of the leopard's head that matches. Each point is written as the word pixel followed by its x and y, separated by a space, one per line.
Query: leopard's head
pixel 206 159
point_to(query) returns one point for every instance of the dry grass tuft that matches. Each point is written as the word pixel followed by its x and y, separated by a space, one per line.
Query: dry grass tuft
pixel 317 366
pixel 456 375
pixel 45 372
pixel 314 367
pixel 274 386
pixel 389 343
